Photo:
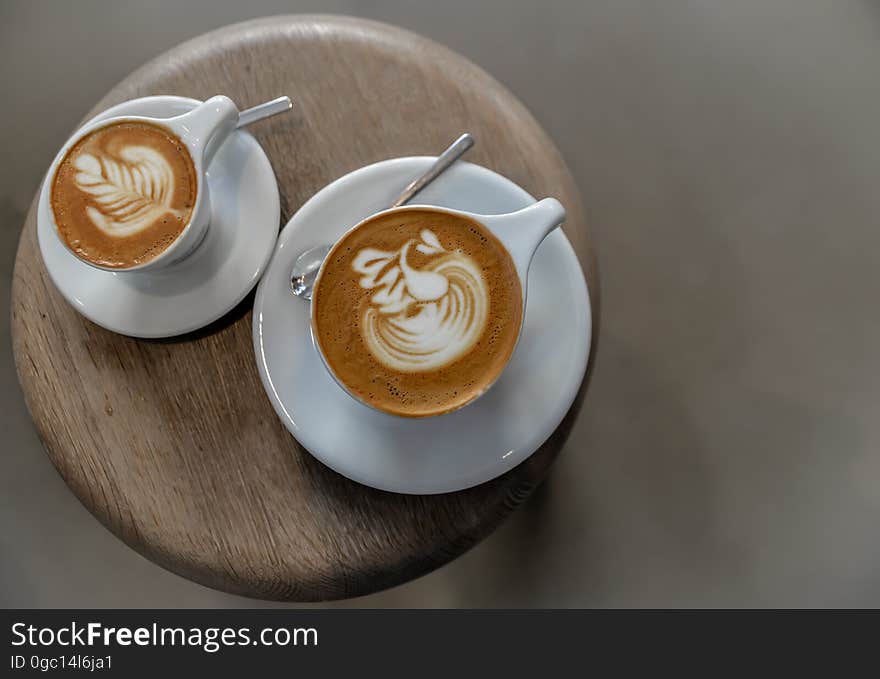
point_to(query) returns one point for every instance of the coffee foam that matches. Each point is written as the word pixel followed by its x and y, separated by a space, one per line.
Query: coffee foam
pixel 129 192
pixel 124 193
pixel 421 319
pixel 418 311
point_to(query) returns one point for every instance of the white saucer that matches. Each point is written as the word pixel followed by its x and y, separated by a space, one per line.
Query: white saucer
pixel 439 454
pixel 245 212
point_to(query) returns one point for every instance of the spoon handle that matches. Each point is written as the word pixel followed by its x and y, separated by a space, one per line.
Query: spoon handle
pixel 260 111
pixel 444 160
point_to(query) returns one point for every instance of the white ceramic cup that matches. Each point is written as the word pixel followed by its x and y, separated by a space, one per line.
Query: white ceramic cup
pixel 202 131
pixel 520 233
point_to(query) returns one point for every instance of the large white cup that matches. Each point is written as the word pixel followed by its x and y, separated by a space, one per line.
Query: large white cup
pixel 520 233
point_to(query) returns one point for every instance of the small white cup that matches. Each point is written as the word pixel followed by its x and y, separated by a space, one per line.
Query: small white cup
pixel 202 130
pixel 520 233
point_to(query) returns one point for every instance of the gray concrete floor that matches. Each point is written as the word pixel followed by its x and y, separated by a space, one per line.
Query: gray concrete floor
pixel 729 157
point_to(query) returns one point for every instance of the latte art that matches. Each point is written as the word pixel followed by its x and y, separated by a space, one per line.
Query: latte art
pixel 421 319
pixel 129 192
pixel 123 193
pixel 416 311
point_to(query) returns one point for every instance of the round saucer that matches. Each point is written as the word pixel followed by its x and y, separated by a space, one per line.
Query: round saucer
pixel 438 454
pixel 245 211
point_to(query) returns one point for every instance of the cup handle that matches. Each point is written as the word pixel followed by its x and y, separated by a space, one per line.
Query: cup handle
pixel 521 232
pixel 208 125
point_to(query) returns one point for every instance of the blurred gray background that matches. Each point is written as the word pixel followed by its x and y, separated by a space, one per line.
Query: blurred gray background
pixel 729 157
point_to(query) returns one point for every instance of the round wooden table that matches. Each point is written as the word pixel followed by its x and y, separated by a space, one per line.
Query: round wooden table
pixel 173 444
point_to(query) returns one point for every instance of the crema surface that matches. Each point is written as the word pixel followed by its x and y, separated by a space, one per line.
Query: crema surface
pixel 123 194
pixel 418 311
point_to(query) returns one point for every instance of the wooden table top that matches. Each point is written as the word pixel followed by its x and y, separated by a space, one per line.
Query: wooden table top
pixel 216 489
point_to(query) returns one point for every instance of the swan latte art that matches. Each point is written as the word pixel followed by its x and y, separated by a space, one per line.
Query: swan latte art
pixel 124 193
pixel 417 311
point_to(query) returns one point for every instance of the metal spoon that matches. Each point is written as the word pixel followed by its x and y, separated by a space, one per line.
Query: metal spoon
pixel 264 110
pixel 305 268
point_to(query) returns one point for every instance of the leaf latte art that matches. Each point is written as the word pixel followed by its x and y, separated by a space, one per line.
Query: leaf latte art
pixel 129 192
pixel 421 319
pixel 123 193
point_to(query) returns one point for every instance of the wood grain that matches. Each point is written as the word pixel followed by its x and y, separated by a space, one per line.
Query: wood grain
pixel 172 444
